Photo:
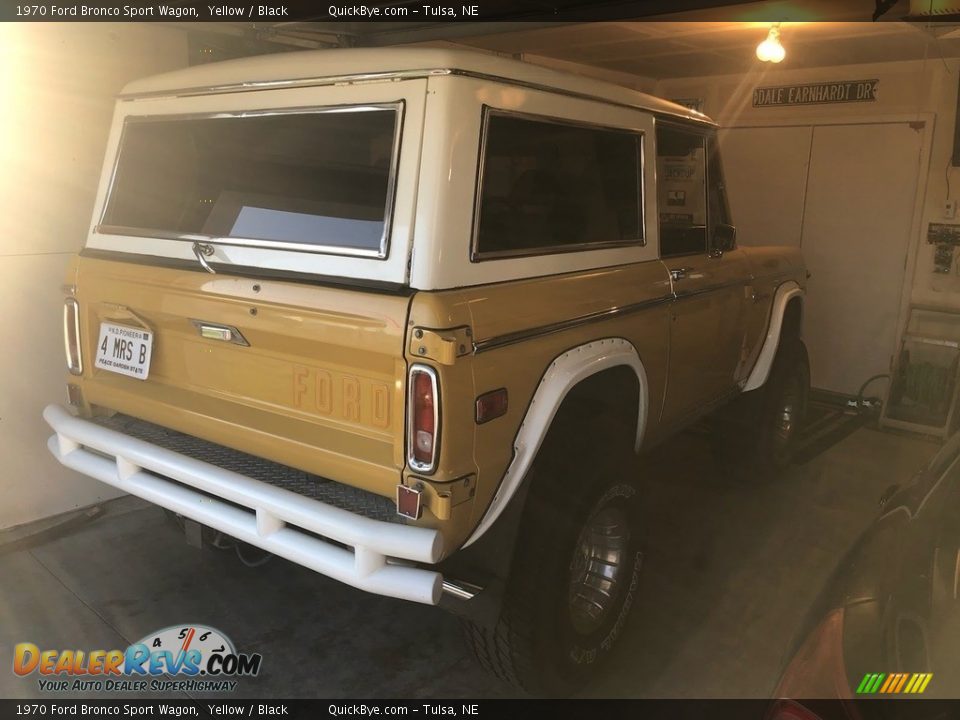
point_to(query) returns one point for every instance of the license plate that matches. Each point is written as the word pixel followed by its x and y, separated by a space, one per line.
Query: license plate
pixel 125 350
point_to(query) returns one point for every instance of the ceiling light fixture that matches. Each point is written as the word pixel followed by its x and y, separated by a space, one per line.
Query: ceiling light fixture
pixel 770 50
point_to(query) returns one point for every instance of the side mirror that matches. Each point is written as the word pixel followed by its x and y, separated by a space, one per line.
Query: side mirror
pixel 724 238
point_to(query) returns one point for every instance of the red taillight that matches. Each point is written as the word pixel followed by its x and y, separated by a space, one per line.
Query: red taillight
pixel 424 426
pixel 424 417
pixel 71 336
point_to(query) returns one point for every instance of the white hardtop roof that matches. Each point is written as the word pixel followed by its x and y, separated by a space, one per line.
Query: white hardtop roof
pixel 318 66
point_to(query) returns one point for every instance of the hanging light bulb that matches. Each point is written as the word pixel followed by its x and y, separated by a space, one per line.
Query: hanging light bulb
pixel 770 50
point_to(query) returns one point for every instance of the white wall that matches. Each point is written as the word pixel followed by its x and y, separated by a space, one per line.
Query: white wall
pixel 57 84
pixel 916 88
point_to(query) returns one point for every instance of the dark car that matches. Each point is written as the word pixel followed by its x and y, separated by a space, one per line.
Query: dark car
pixel 886 628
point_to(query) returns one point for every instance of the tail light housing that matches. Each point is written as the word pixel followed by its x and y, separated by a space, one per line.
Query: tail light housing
pixel 71 336
pixel 423 418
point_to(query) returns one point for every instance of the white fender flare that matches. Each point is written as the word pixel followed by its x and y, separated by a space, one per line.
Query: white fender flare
pixel 761 368
pixel 563 375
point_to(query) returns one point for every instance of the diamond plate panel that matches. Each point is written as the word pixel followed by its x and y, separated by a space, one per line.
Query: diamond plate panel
pixel 342 496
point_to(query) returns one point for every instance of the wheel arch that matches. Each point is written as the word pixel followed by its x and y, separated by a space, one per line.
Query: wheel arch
pixel 786 318
pixel 569 376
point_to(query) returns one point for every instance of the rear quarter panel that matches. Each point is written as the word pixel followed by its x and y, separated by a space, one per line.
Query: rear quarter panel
pixel 514 326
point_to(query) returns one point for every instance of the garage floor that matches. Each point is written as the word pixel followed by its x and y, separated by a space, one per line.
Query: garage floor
pixel 733 567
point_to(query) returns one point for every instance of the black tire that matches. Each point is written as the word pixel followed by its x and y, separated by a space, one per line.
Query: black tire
pixel 758 433
pixel 787 393
pixel 546 642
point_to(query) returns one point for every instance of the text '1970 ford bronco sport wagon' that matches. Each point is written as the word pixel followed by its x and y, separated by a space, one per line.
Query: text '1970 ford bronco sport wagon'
pixel 405 317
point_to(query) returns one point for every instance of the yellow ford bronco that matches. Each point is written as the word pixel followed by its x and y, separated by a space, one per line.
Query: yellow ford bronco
pixel 406 317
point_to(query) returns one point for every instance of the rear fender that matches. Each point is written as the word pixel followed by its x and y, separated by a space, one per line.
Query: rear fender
pixel 486 557
pixel 564 374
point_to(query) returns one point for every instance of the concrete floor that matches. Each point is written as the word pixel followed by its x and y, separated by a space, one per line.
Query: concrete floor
pixel 732 569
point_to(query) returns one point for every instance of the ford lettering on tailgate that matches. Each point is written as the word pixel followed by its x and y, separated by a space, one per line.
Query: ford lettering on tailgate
pixel 344 397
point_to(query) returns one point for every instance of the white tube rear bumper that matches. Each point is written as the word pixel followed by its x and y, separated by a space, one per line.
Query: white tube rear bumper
pixel 269 517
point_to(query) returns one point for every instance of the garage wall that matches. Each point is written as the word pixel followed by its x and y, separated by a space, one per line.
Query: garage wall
pixel 922 91
pixel 634 82
pixel 915 88
pixel 57 84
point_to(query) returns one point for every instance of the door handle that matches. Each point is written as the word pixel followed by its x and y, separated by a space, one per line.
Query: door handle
pixel 203 251
pixel 680 273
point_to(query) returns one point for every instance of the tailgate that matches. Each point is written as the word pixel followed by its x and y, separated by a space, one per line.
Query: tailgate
pixel 318 385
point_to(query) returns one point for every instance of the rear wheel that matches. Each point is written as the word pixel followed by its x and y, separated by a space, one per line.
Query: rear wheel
pixel 759 432
pixel 576 568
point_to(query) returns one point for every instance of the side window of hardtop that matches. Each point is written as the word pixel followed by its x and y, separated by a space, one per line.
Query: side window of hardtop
pixel 548 185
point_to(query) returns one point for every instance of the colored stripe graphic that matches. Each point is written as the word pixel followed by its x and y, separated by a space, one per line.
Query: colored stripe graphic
pixel 922 680
pixel 903 681
pixel 894 683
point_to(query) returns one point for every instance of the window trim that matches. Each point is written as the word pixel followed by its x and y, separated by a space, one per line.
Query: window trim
pixel 488 112
pixel 382 253
pixel 713 153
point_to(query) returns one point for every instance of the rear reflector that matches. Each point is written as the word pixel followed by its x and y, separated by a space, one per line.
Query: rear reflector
pixel 74 395
pixel 491 405
pixel 71 336
pixel 423 419
pixel 408 502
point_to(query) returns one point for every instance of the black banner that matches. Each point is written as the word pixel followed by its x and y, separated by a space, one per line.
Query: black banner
pixel 416 11
pixel 467 709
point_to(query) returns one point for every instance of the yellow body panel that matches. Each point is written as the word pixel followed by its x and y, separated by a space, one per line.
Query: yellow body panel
pixel 524 316
pixel 321 386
